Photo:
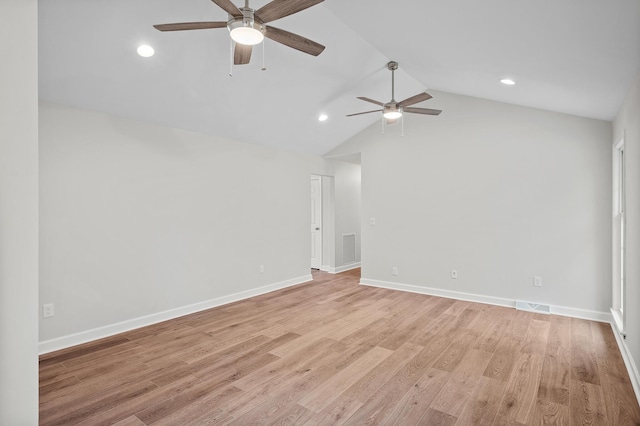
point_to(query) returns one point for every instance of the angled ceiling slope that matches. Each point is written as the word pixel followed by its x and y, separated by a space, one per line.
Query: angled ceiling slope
pixel 575 56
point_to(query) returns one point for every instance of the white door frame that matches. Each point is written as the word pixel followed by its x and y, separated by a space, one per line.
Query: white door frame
pixel 316 221
pixel 327 186
pixel 619 235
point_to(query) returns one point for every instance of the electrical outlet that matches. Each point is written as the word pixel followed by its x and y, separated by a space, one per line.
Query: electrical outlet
pixel 394 271
pixel 262 269
pixel 47 310
pixel 454 274
pixel 537 281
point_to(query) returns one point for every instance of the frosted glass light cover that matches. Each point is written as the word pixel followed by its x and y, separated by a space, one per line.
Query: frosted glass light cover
pixel 392 115
pixel 247 36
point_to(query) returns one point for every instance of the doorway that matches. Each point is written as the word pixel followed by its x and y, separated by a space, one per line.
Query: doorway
pixel 335 225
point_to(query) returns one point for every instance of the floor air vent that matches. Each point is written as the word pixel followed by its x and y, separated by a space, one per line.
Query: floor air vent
pixel 533 307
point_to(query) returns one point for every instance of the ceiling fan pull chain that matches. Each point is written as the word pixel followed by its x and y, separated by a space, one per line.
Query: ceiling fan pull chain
pixel 402 123
pixel 230 57
pixel 264 68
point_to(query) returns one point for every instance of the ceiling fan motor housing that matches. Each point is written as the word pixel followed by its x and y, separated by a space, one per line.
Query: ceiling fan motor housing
pixel 247 21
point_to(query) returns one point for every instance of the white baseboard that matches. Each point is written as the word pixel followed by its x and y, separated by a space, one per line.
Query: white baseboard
pixel 632 367
pixel 439 292
pixel 120 327
pixel 491 300
pixel 343 268
pixel 582 313
pixel 618 322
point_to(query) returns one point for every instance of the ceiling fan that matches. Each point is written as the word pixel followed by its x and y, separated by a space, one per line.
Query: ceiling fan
pixel 393 110
pixel 248 28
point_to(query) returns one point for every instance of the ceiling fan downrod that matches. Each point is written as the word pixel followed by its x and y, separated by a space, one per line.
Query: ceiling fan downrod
pixel 393 66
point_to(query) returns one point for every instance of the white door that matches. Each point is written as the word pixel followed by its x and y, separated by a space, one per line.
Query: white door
pixel 316 222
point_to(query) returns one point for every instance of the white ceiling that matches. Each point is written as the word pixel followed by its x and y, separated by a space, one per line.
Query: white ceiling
pixel 573 56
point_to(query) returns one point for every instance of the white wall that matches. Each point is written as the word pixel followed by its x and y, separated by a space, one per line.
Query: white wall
pixel 18 213
pixel 138 219
pixel 498 192
pixel 627 122
pixel 347 207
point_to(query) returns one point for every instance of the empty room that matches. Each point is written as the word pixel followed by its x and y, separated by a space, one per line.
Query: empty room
pixel 319 212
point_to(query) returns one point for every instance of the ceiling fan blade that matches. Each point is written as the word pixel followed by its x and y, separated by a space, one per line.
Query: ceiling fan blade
pixel 294 40
pixel 228 7
pixel 366 112
pixel 242 54
pixel 414 99
pixel 190 26
pixel 280 8
pixel 425 111
pixel 370 100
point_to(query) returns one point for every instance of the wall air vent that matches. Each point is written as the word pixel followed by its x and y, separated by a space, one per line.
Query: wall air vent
pixel 533 307
pixel 348 248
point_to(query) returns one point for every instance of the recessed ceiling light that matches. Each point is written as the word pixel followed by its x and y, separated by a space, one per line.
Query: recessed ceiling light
pixel 323 117
pixel 507 81
pixel 145 51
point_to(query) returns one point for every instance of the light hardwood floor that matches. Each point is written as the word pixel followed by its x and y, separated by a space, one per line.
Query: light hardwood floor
pixel 333 352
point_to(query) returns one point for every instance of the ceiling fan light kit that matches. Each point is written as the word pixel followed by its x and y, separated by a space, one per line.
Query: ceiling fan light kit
pixel 392 113
pixel 246 30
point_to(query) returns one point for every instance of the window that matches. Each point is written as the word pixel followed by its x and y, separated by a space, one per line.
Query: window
pixel 619 231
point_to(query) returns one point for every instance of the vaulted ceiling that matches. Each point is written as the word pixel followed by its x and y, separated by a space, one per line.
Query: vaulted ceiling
pixel 572 56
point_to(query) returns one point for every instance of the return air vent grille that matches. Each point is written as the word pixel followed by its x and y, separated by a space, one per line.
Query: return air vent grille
pixel 533 307
pixel 348 248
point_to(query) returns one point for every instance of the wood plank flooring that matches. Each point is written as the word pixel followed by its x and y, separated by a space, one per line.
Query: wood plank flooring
pixel 334 352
